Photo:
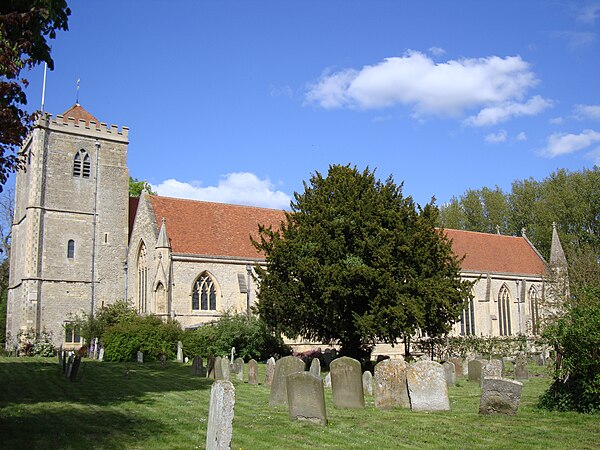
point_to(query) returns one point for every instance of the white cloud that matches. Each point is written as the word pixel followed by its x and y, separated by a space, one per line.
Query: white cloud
pixel 557 121
pixel 589 13
pixel 429 88
pixel 496 138
pixel 563 144
pixel 503 112
pixel 437 51
pixel 241 188
pixel 577 39
pixel 587 112
pixel 521 136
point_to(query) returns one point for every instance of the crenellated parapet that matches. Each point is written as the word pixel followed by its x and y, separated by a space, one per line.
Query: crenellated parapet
pixel 83 127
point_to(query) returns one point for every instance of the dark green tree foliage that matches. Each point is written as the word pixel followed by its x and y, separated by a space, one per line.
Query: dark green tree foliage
pixel 136 187
pixel 107 316
pixel 25 26
pixel 357 262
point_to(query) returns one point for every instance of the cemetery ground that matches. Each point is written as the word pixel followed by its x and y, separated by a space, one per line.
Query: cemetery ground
pixel 144 406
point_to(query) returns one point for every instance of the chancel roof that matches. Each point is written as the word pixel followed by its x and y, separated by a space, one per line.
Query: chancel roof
pixel 217 229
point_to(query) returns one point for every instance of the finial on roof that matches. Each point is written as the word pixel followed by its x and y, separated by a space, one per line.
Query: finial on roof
pixel 163 239
pixel 553 226
pixel 557 254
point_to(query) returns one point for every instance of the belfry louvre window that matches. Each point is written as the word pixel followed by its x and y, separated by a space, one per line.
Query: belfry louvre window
pixel 204 295
pixel 504 325
pixel 81 164
pixel 71 249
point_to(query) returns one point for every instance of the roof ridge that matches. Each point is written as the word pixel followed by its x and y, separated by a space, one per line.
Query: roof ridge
pixel 217 203
pixel 481 232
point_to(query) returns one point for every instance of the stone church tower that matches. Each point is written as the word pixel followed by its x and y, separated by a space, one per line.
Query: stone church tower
pixel 70 229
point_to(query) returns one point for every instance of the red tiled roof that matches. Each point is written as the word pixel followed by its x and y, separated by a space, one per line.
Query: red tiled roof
pixel 215 229
pixel 486 252
pixel 78 112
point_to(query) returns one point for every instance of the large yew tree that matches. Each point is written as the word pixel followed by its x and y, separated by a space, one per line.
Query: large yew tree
pixel 356 262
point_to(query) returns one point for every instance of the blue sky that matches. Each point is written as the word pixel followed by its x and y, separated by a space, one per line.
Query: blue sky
pixel 241 101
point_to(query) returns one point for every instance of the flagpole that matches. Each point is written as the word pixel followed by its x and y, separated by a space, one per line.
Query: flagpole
pixel 44 85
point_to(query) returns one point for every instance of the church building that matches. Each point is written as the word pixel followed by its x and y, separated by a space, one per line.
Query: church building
pixel 79 242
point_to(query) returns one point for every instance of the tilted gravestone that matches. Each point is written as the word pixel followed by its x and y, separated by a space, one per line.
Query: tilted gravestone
pixel 218 368
pixel 179 352
pixel 140 357
pixel 220 415
pixel 252 372
pixel 521 370
pixel 346 383
pixel 427 386
pixel 211 367
pixel 225 369
pixel 306 397
pixel 75 368
pixel 269 371
pixel 367 381
pixel 197 366
pixel 60 358
pixel 391 390
pixel 238 364
pixel 283 367
pixel 500 396
pixel 327 380
pixel 450 373
pixel 459 366
pixel 475 368
pixel 64 361
pixel 315 367
pixel 69 366
pixel 492 368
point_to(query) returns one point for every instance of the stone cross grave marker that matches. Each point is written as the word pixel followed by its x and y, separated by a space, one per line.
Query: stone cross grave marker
pixel 450 373
pixel 269 371
pixel 367 380
pixel 315 367
pixel 306 398
pixel 197 366
pixel 252 372
pixel 346 383
pixel 220 415
pixel 500 396
pixel 283 367
pixel 391 390
pixel 179 352
pixel 427 388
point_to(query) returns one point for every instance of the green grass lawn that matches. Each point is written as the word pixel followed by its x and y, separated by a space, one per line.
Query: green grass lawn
pixel 135 406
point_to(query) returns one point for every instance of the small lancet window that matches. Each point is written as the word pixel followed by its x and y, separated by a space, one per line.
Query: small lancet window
pixel 81 164
pixel 71 249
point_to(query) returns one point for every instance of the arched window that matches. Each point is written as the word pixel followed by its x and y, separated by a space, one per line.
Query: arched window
pixel 504 326
pixel 204 295
pixel 71 249
pixel 81 164
pixel 467 321
pixel 534 310
pixel 142 279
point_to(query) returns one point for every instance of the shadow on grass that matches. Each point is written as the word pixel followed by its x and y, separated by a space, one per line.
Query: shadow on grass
pixel 60 427
pixel 34 380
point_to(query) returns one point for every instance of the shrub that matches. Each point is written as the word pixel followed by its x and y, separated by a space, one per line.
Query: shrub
pixel 107 316
pixel 34 344
pixel 147 334
pixel 250 337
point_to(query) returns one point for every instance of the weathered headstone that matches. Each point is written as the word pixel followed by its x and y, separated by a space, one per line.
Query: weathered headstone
pixel 269 371
pixel 218 368
pixel 211 365
pixel 306 397
pixel 239 368
pixel 367 380
pixel 283 367
pixel 179 352
pixel 391 390
pixel 140 357
pixel 315 367
pixel 60 358
pixel 101 355
pixel 225 369
pixel 69 366
pixel 197 366
pixel 492 368
pixel 459 366
pixel 327 380
pixel 163 360
pixel 75 368
pixel 475 368
pixel 450 373
pixel 346 383
pixel 232 355
pixel 500 396
pixel 64 361
pixel 220 415
pixel 252 372
pixel 521 370
pixel 470 357
pixel 427 386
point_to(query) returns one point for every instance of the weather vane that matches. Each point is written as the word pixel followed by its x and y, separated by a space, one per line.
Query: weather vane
pixel 77 96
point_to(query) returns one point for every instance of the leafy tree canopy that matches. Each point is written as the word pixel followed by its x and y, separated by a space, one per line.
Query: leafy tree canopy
pixel 25 26
pixel 136 187
pixel 356 262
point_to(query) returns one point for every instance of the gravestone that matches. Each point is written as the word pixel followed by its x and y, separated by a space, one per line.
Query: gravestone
pixel 328 356
pixel 459 366
pixel 391 390
pixel 218 368
pixel 450 373
pixel 101 355
pixel 225 369
pixel 197 367
pixel 252 372
pixel 315 367
pixel 367 381
pixel 64 361
pixel 60 358
pixel 521 370
pixel 475 368
pixel 327 380
pixel 74 368
pixel 468 359
pixel 211 367
pixel 163 360
pixel 179 352
pixel 427 386
pixel 140 357
pixel 239 368
pixel 269 371
pixel 283 367
pixel 492 368
pixel 500 396
pixel 346 383
pixel 306 397
pixel 69 366
pixel 219 429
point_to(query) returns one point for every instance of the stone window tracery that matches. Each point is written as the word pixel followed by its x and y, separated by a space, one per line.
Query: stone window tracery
pixel 504 325
pixel 204 295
